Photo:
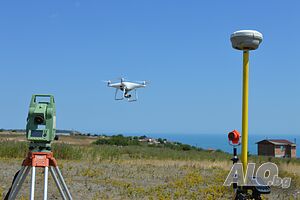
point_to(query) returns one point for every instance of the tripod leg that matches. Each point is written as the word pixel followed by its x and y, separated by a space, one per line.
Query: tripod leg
pixel 32 183
pixel 15 182
pixel 57 183
pixel 60 177
pixel 19 182
pixel 45 183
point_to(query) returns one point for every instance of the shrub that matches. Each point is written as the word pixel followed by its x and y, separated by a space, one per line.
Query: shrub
pixel 118 140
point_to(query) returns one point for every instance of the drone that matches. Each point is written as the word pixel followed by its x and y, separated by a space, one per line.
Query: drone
pixel 128 89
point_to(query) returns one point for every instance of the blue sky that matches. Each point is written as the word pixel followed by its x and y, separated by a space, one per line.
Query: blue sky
pixel 182 47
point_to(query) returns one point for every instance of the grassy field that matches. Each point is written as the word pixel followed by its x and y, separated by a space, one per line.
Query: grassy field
pixel 136 172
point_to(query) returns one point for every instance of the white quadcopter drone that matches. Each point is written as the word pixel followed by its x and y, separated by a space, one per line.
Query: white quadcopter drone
pixel 127 89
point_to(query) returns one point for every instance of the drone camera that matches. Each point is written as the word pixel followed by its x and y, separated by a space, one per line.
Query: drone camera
pixel 234 137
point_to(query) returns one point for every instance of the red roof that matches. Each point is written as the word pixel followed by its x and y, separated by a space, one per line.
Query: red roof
pixel 281 141
pixel 278 141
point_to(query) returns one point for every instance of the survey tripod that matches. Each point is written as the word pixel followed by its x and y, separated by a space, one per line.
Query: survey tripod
pixel 43 160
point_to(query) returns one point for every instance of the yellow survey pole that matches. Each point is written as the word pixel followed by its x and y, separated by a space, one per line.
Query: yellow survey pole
pixel 244 155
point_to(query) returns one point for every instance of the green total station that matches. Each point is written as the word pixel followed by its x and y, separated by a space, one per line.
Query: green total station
pixel 41 122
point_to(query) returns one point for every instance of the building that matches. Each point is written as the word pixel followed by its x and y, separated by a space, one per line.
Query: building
pixel 149 140
pixel 276 148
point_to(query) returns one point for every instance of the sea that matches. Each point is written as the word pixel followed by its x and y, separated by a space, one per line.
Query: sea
pixel 220 141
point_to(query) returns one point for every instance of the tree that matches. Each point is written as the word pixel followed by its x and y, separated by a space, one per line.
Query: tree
pixel 143 137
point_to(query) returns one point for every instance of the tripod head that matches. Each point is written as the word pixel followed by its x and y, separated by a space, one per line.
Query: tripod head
pixel 41 122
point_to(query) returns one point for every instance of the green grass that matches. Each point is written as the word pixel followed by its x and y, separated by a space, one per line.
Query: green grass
pixel 9 149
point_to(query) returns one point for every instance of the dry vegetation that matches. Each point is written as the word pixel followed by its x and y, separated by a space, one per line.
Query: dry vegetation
pixel 132 179
pixel 137 172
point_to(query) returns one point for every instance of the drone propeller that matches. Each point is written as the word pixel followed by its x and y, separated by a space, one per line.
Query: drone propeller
pixel 122 79
pixel 143 82
pixel 108 82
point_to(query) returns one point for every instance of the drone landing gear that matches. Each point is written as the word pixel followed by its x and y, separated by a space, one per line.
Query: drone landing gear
pixel 46 161
pixel 131 97
pixel 120 97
